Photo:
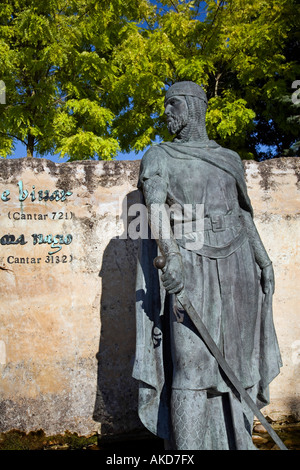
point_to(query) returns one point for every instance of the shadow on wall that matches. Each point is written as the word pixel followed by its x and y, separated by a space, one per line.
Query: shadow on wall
pixel 117 392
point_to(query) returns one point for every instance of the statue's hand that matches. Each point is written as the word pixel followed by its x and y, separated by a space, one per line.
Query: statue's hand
pixel 268 279
pixel 172 277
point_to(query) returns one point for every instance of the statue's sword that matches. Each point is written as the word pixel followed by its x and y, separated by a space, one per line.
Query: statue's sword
pixel 184 301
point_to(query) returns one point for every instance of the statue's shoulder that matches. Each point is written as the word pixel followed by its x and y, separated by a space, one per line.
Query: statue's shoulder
pixel 153 162
pixel 153 152
pixel 154 156
pixel 228 152
pixel 231 155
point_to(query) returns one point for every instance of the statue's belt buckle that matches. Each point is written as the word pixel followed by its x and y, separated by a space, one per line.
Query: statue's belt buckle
pixel 179 313
pixel 218 223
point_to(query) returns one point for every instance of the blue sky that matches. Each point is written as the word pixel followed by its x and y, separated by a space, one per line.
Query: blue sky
pixel 20 152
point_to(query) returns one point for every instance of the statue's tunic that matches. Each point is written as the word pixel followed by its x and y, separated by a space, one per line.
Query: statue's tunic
pixel 222 280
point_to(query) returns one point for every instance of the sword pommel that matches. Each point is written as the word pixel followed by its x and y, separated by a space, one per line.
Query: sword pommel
pixel 159 262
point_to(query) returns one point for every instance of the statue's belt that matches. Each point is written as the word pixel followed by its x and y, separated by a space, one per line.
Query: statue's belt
pixel 194 240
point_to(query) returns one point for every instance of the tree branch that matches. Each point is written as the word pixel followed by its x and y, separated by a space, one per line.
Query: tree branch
pixel 219 75
pixel 174 6
pixel 213 21
pixel 13 137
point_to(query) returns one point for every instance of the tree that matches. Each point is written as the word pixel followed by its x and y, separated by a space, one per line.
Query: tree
pixel 55 63
pixel 236 49
pixel 87 78
pixel 277 117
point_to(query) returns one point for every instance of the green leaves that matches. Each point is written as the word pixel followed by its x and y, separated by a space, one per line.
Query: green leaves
pixel 228 116
pixel 236 50
pixel 85 145
pixel 55 62
pixel 229 119
pixel 86 78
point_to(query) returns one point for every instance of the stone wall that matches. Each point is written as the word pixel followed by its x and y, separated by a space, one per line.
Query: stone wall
pixel 67 321
pixel 274 189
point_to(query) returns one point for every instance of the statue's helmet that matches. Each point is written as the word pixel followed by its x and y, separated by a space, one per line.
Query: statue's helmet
pixel 186 88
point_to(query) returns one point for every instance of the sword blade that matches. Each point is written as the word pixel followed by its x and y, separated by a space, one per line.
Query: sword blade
pixel 205 335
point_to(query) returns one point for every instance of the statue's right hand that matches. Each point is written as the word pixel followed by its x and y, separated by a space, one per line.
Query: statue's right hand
pixel 173 276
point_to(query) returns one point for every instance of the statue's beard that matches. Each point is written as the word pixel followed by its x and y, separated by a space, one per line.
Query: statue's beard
pixel 177 123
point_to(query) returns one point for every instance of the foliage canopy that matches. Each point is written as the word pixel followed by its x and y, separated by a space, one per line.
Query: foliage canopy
pixel 86 78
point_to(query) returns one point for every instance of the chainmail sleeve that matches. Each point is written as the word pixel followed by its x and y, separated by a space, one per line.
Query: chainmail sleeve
pixel 153 178
pixel 154 182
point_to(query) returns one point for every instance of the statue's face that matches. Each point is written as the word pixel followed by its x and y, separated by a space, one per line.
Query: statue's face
pixel 176 111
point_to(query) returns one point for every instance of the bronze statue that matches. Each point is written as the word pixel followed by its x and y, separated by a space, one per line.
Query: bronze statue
pixel 184 395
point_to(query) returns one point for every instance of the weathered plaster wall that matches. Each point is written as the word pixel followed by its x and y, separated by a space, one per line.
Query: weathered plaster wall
pixel 274 189
pixel 63 365
pixel 67 326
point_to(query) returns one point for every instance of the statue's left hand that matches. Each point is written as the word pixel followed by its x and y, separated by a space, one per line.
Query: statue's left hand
pixel 172 276
pixel 268 279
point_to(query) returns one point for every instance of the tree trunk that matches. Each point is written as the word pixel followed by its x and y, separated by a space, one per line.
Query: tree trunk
pixel 30 146
pixel 217 83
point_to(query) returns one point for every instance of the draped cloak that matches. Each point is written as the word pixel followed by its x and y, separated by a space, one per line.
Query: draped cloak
pixel 244 331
